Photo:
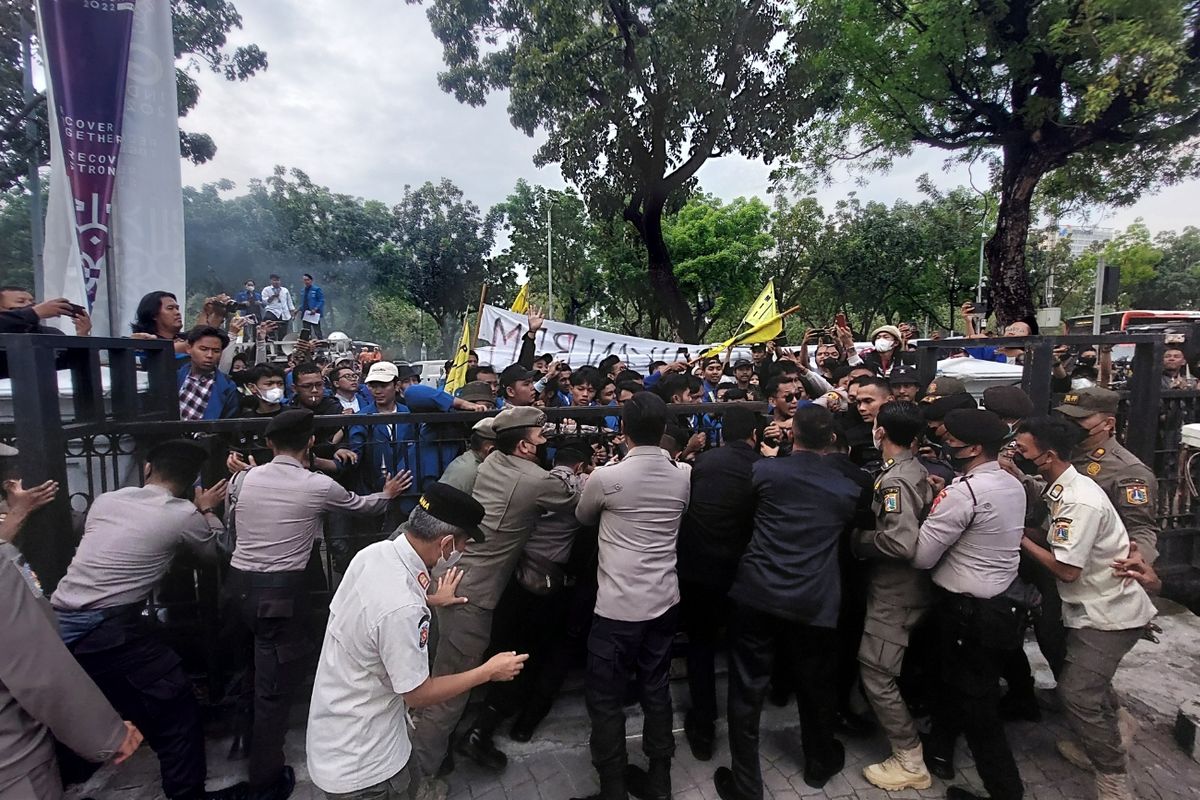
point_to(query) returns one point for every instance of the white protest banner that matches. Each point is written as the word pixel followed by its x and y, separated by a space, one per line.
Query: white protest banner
pixel 503 331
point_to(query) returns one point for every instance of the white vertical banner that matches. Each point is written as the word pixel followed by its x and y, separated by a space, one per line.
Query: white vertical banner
pixel 147 240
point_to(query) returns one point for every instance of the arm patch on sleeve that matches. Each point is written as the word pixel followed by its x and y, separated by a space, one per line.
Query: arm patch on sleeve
pixel 891 501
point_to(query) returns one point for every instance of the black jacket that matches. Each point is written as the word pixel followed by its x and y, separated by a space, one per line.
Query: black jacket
pixel 720 516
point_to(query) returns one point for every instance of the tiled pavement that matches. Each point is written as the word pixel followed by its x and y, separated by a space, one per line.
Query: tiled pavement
pixel 1153 681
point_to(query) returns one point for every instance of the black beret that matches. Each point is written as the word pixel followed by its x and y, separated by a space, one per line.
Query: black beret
pixel 1010 402
pixel 902 375
pixel 179 450
pixel 976 426
pixel 454 507
pixel 294 420
pixel 936 410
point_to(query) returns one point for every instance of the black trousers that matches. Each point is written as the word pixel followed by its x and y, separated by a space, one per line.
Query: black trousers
pixel 144 681
pixel 315 327
pixel 757 639
pixel 974 639
pixel 705 617
pixel 281 329
pixel 579 603
pixel 273 606
pixel 526 623
pixel 619 652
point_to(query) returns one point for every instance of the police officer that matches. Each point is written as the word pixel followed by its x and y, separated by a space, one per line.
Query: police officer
pixel 377 647
pixel 972 539
pixel 276 511
pixel 1105 614
pixel 898 594
pixel 514 490
pixel 128 544
pixel 1010 403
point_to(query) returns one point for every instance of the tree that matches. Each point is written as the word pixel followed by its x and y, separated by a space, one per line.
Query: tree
pixel 16 248
pixel 577 284
pixel 437 254
pixel 634 97
pixel 1176 279
pixel 201 29
pixel 1104 93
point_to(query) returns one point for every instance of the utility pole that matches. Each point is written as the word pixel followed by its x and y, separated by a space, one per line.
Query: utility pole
pixel 35 183
pixel 1099 298
pixel 549 257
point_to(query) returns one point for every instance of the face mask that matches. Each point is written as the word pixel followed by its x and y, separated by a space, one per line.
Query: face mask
pixel 446 562
pixel 877 438
pixel 957 462
pixel 272 395
pixel 1088 361
pixel 1026 465
pixel 1081 383
pixel 884 345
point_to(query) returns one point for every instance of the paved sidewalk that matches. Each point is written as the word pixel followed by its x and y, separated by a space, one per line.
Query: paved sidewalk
pixel 1153 681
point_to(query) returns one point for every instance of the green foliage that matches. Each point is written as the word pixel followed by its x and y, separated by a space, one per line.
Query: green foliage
pixel 200 28
pixel 1158 273
pixel 400 327
pixel 16 259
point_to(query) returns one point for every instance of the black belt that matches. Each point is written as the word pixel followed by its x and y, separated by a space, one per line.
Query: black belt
pixel 268 580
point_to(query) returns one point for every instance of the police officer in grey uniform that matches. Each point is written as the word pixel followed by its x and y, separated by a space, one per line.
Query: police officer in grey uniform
pixel 275 511
pixel 129 541
pixel 972 540
pixel 460 473
pixel 898 596
pixel 514 490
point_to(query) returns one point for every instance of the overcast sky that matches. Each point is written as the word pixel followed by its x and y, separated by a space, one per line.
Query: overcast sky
pixel 351 98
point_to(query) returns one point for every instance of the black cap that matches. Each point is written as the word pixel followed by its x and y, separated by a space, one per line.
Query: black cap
pixel 1009 402
pixel 743 362
pixel 179 450
pixel 454 507
pixel 514 373
pixel 758 347
pixel 294 420
pixel 547 357
pixel 976 426
pixel 937 410
pixel 406 370
pixel 902 375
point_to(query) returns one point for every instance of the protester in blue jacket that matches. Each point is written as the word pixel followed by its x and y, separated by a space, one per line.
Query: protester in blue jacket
pixel 204 391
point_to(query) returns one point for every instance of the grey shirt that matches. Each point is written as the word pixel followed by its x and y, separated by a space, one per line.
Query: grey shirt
pixel 278 514
pixel 638 504
pixel 128 542
pixel 44 693
pixel 973 533
pixel 460 473
pixel 554 534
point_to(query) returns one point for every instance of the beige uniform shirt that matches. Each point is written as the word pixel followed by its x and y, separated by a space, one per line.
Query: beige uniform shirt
pixel 902 492
pixel 128 542
pixel 1132 488
pixel 1086 532
pixel 638 504
pixel 514 493
pixel 460 473
pixel 279 510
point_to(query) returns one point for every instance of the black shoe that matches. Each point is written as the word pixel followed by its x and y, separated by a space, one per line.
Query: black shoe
pixel 959 793
pixel 817 773
pixel 700 738
pixel 857 726
pixel 940 765
pixel 646 786
pixel 612 787
pixel 239 791
pixel 446 767
pixel 723 780
pixel 525 724
pixel 1020 706
pixel 281 789
pixel 239 748
pixel 478 747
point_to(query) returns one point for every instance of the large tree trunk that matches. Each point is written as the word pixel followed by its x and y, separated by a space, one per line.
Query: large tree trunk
pixel 648 221
pixel 1005 251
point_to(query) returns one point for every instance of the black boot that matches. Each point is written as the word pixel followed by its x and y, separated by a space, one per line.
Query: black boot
pixel 817 772
pixel 650 784
pixel 476 744
pixel 938 759
pixel 527 721
pixel 612 787
pixel 281 789
pixel 700 736
pixel 723 780
pixel 239 791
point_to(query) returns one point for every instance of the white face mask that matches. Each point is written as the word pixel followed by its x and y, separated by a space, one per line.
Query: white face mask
pixel 884 345
pixel 877 438
pixel 272 395
pixel 446 562
pixel 1081 383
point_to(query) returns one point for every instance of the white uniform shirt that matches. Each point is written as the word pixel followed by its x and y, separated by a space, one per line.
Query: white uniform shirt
pixel 376 648
pixel 278 302
pixel 1087 532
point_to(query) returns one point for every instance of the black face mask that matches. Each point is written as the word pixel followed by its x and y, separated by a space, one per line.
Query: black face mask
pixel 956 462
pixel 1087 361
pixel 1026 465
pixel 932 438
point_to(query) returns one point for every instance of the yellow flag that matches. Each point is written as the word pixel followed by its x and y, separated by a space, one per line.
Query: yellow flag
pixel 521 304
pixel 457 377
pixel 762 323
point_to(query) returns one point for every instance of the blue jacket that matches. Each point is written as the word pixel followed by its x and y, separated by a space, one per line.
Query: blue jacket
pixel 312 299
pixel 986 354
pixel 225 400
pixel 383 447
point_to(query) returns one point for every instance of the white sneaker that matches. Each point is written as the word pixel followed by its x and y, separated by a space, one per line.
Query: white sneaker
pixel 903 769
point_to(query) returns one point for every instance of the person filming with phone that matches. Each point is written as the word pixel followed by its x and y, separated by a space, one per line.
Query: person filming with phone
pixel 20 314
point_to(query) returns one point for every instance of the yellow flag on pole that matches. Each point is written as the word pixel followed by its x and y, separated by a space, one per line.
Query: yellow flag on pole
pixel 521 304
pixel 456 378
pixel 762 323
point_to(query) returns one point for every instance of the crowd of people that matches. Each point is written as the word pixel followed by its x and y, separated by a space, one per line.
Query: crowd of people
pixel 872 544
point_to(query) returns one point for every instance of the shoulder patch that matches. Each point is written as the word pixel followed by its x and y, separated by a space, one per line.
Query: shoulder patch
pixel 1093 469
pixel 1055 491
pixel 1137 494
pixel 1060 530
pixel 1098 452
pixel 941 495
pixel 891 501
pixel 423 632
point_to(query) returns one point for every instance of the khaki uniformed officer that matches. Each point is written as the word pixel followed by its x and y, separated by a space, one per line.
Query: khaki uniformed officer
pixel 1129 484
pixel 514 490
pixel 374 663
pixel 899 594
pixel 1105 615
